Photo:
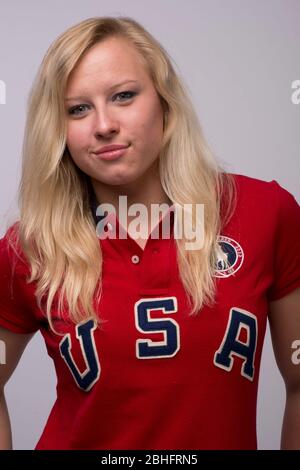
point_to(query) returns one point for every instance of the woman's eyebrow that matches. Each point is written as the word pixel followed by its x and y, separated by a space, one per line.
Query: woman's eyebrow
pixel 82 97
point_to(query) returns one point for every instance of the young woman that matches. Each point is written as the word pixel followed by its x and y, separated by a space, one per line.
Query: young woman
pixel 155 345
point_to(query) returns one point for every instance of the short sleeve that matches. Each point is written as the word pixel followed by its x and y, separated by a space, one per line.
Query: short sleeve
pixel 286 261
pixel 15 312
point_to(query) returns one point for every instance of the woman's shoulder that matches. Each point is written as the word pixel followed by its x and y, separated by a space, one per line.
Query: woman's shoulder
pixel 17 297
pixel 249 182
pixel 10 239
pixel 255 189
pixel 263 205
pixel 11 253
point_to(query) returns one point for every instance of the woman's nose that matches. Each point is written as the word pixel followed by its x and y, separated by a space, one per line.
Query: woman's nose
pixel 106 123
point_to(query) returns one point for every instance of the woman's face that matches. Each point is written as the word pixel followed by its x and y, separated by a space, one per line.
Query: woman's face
pixel 111 99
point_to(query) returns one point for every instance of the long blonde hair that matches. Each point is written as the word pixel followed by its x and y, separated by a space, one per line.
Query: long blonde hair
pixel 56 229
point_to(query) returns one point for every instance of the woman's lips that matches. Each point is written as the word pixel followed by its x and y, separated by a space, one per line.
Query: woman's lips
pixel 111 154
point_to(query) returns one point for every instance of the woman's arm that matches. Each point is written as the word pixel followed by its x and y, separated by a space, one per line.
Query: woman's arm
pixel 13 344
pixel 284 319
pixel 5 429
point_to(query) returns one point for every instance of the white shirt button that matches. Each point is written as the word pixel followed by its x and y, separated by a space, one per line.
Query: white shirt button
pixel 135 259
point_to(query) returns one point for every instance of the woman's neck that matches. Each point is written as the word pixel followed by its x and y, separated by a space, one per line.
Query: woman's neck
pixel 146 190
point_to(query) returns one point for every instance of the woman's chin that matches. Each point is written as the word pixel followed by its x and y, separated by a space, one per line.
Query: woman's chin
pixel 117 180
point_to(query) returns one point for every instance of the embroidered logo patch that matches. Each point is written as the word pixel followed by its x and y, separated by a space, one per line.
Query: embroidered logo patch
pixel 232 253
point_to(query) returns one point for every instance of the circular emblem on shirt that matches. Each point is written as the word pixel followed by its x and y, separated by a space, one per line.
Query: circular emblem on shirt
pixel 232 252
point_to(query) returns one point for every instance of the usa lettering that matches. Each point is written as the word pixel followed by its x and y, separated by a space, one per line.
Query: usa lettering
pixel 231 345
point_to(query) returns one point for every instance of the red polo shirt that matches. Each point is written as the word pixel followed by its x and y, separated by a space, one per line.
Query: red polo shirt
pixel 152 376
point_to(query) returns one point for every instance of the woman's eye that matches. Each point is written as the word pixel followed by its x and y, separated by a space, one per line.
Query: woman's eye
pixel 80 109
pixel 125 95
pixel 73 111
